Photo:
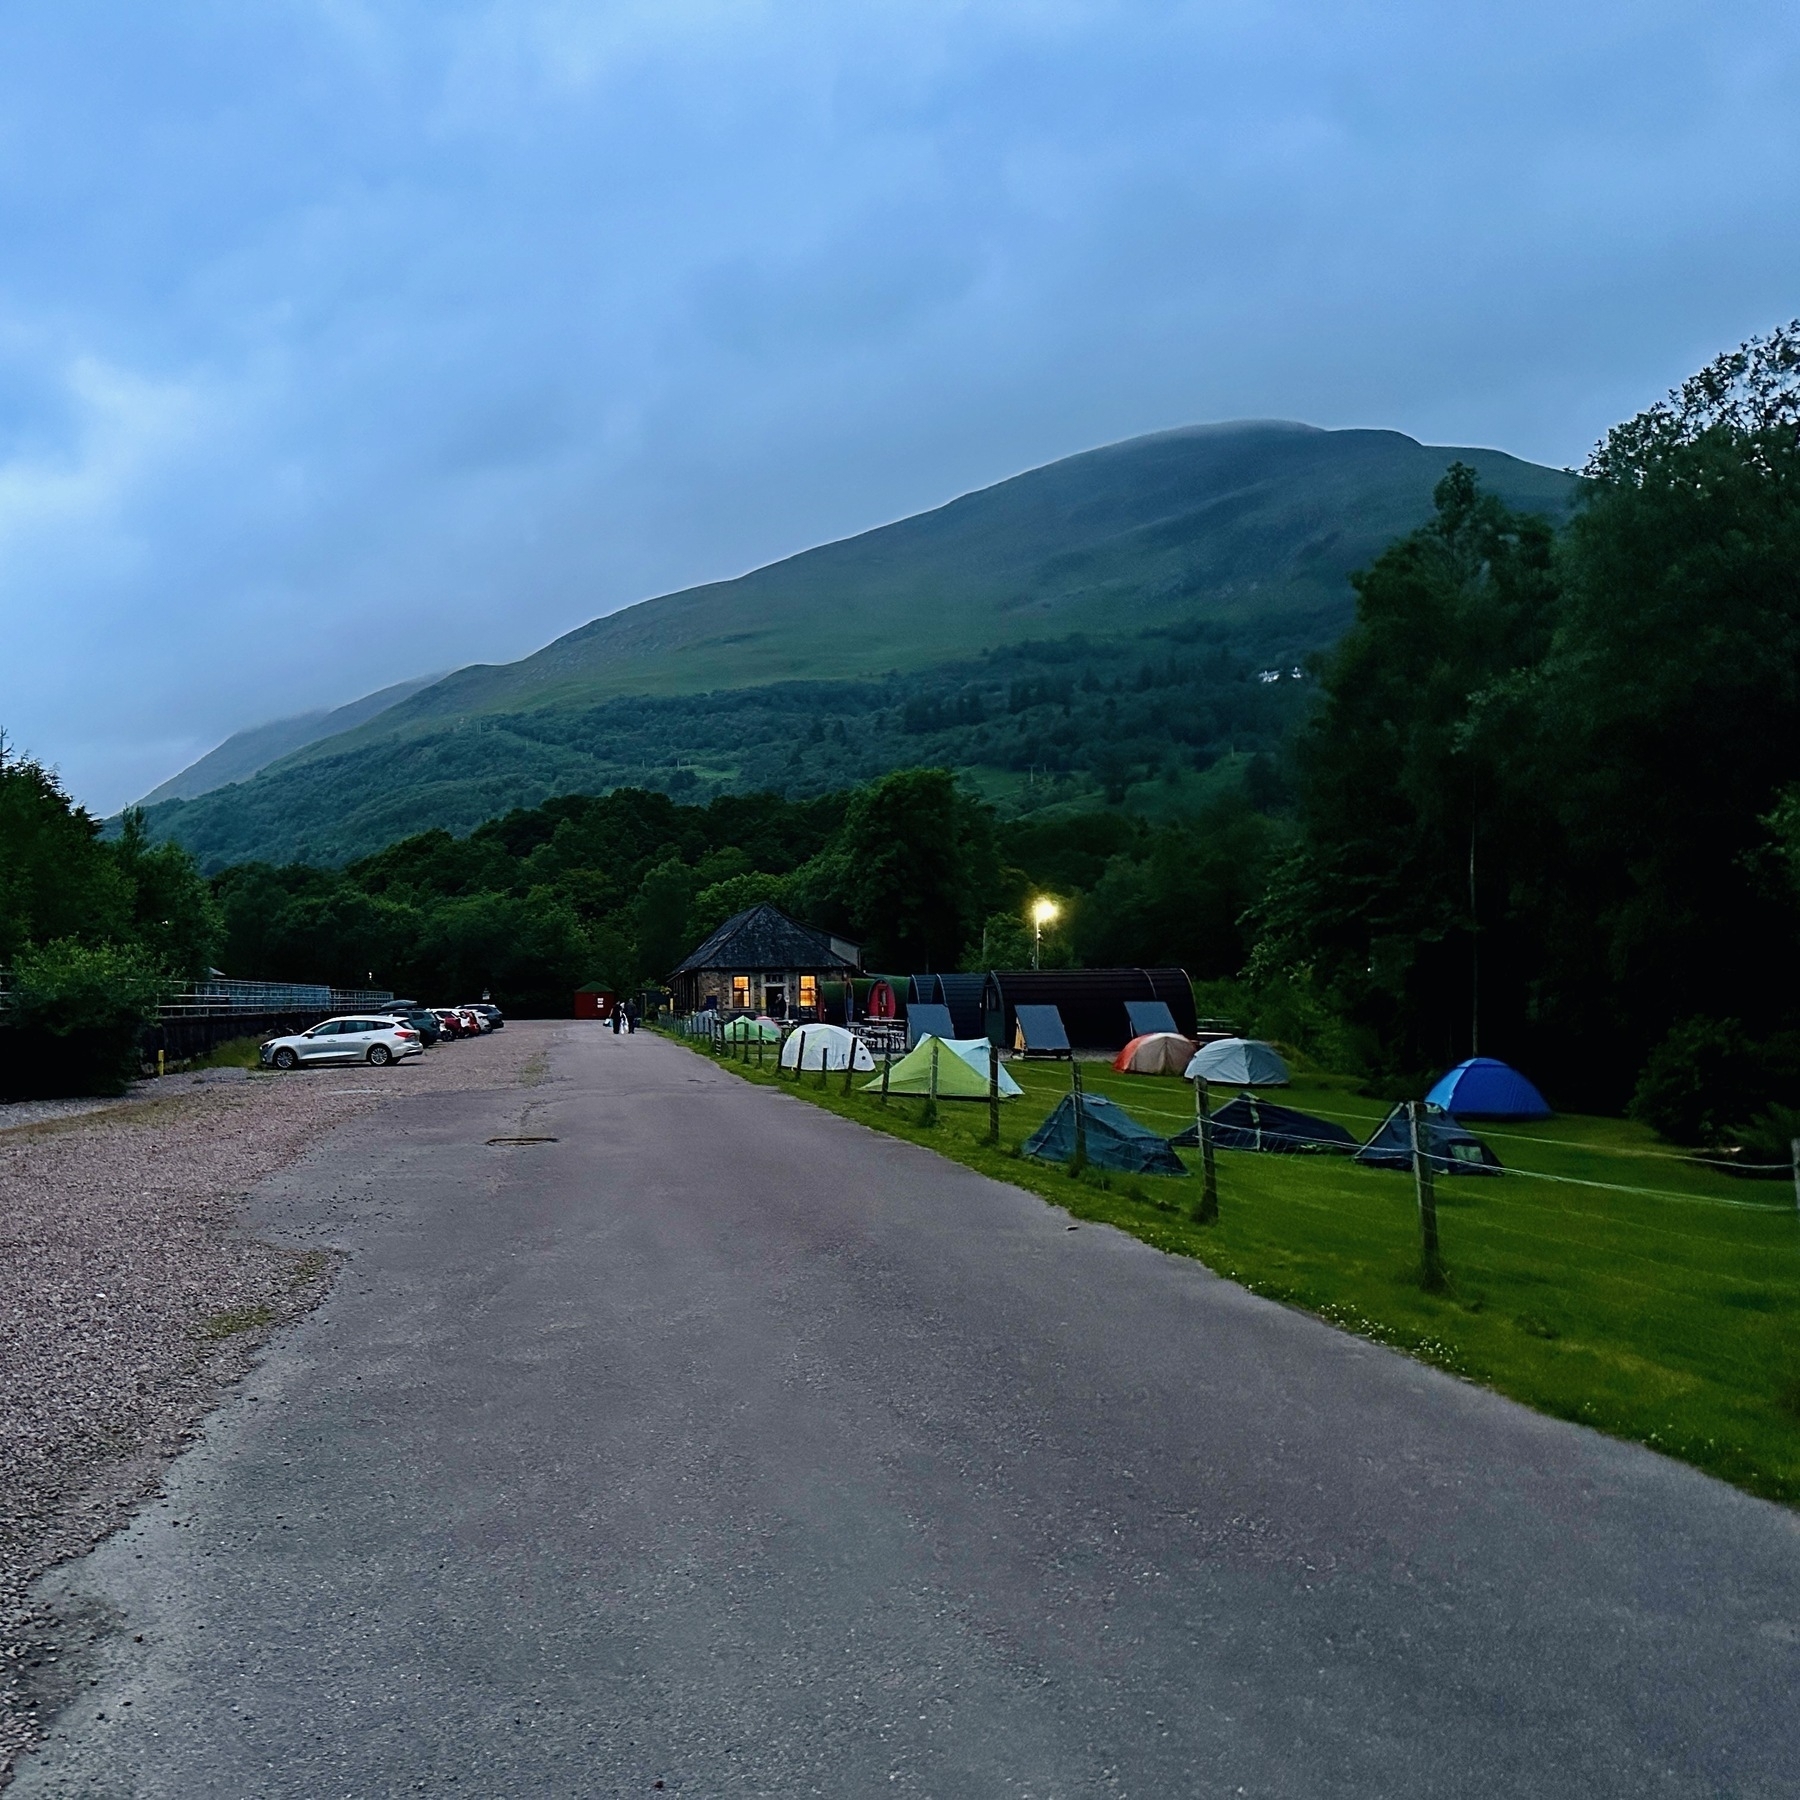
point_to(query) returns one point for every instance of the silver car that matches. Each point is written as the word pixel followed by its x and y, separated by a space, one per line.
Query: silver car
pixel 347 1040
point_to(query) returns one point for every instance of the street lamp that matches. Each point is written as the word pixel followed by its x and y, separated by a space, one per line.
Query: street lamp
pixel 1042 913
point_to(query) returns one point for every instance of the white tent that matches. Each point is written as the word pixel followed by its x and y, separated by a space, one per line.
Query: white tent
pixel 974 1051
pixel 825 1047
pixel 1238 1062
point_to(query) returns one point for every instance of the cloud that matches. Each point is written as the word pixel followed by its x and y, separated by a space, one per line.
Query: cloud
pixel 343 340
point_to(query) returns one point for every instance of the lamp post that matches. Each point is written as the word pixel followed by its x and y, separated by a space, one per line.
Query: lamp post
pixel 1042 913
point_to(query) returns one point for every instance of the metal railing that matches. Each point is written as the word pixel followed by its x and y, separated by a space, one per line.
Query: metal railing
pixel 220 998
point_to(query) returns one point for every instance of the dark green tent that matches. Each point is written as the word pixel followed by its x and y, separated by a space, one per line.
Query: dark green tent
pixel 1115 1140
pixel 1252 1123
pixel 1448 1148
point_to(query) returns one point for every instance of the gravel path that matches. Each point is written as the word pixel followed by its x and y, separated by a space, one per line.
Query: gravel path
pixel 128 1295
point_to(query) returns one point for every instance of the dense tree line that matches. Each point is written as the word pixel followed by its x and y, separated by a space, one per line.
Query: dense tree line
pixel 1551 789
pixel 91 932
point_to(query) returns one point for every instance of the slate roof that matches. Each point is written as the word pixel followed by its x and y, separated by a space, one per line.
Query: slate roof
pixel 764 937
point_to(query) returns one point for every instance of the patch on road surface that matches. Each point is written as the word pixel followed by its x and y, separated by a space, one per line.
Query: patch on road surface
pixel 522 1140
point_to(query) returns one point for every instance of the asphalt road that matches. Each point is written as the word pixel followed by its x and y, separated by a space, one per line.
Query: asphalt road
pixel 725 1448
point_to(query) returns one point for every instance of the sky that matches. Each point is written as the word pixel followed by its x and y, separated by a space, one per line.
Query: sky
pixel 341 342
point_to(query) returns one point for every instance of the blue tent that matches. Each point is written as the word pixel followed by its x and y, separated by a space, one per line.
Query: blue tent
pixel 1112 1139
pixel 1482 1088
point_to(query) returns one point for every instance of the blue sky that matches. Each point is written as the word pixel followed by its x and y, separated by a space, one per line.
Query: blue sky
pixel 340 342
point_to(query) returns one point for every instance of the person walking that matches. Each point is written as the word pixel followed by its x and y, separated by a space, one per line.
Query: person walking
pixel 631 1017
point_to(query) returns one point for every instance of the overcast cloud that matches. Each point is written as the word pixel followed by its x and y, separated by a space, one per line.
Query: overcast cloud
pixel 343 341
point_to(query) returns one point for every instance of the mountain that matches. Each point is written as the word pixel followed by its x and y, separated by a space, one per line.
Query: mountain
pixel 245 752
pixel 1193 555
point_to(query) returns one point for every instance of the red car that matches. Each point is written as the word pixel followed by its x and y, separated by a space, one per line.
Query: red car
pixel 454 1024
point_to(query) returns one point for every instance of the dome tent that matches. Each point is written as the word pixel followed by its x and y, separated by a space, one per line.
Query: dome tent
pixel 962 1071
pixel 1483 1088
pixel 1448 1148
pixel 825 1047
pixel 1238 1062
pixel 738 1030
pixel 1156 1053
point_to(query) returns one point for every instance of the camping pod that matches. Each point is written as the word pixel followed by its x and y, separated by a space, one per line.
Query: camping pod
pixel 1039 1031
pixel 825 1047
pixel 1156 1053
pixel 925 1018
pixel 1482 1088
pixel 1238 1062
pixel 1093 1002
pixel 1111 1138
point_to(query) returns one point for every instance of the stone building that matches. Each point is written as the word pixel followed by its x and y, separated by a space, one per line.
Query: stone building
pixel 761 961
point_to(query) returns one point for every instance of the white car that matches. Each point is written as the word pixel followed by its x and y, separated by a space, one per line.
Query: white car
pixel 350 1040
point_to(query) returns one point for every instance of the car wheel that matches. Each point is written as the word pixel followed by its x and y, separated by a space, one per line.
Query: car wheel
pixel 381 1055
pixel 286 1059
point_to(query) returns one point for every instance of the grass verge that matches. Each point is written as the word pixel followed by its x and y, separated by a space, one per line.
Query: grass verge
pixel 1602 1280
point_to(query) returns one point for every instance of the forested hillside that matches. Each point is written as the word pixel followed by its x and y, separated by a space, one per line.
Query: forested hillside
pixel 1200 556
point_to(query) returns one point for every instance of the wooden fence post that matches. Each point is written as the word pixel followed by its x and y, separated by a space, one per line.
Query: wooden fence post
pixel 993 1093
pixel 1080 1159
pixel 1431 1264
pixel 1207 1212
pixel 887 1064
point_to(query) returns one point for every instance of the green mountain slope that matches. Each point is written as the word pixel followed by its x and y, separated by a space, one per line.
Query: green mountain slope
pixel 244 753
pixel 1230 542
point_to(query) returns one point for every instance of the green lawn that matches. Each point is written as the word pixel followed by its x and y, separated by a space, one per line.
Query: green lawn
pixel 1669 1315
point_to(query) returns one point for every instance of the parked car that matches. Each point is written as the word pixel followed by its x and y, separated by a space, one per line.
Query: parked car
pixel 475 1022
pixel 361 1039
pixel 425 1022
pixel 495 1018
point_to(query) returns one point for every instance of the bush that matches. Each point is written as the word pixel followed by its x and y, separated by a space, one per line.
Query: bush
pixel 1708 1078
pixel 75 1017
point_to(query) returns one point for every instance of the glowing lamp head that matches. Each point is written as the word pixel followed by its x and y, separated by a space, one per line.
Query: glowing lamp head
pixel 1043 911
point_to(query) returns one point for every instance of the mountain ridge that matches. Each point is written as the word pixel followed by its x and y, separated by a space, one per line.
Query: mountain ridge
pixel 1241 527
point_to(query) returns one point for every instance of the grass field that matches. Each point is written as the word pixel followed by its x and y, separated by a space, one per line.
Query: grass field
pixel 1616 1284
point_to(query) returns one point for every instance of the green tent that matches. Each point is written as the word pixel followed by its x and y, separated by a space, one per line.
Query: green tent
pixel 955 1079
pixel 738 1030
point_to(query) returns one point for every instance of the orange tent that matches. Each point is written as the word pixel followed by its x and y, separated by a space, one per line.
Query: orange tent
pixel 1155 1053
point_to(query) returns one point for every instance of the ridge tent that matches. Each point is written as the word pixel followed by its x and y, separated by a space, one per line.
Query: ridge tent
pixel 927 1019
pixel 1238 1062
pixel 1156 1053
pixel 825 1047
pixel 1248 1123
pixel 1038 1031
pixel 962 1071
pixel 1448 1148
pixel 737 1030
pixel 1113 1139
pixel 1147 1017
pixel 1482 1088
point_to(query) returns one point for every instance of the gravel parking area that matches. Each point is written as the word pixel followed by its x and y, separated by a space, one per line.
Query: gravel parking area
pixel 128 1295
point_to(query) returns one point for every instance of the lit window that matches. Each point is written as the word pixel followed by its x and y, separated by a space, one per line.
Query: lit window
pixel 740 990
pixel 809 991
